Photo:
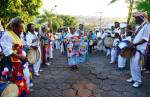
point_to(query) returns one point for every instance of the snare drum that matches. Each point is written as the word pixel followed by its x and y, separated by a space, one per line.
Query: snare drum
pixel 125 49
pixel 108 42
pixel 33 56
pixel 8 90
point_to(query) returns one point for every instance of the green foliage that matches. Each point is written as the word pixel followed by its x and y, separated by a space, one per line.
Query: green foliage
pixel 89 27
pixel 27 9
pixel 143 5
pixel 58 21
pixel 69 20
pixel 130 8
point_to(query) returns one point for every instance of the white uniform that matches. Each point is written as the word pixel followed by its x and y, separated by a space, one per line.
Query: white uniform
pixel 135 65
pixel 100 44
pixel 122 60
pixel 7 43
pixel 114 51
pixel 57 42
pixel 30 37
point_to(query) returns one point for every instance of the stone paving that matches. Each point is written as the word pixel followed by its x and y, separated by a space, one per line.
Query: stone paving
pixel 96 78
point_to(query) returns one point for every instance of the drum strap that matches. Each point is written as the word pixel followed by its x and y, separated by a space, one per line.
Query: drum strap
pixel 138 30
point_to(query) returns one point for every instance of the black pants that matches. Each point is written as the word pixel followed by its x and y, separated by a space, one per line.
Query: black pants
pixel 90 48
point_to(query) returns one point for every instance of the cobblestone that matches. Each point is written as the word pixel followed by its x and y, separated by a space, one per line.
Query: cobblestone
pixel 96 78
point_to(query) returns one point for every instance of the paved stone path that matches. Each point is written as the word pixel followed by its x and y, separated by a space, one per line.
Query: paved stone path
pixel 96 78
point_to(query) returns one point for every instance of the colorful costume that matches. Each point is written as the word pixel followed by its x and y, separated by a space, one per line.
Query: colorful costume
pixel 17 64
pixel 77 48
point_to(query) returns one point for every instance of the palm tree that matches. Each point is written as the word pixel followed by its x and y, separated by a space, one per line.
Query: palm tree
pixel 130 8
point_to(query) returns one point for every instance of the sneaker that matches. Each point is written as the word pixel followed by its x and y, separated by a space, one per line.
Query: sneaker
pixel 136 84
pixel 41 70
pixel 31 85
pixel 37 74
pixel 111 62
pixel 48 64
pixel 129 80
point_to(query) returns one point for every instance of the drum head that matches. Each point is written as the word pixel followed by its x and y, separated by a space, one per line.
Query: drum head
pixel 108 42
pixel 10 91
pixel 33 56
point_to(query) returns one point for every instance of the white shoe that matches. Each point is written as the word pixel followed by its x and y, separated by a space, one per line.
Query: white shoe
pixel 41 70
pixel 129 80
pixel 111 62
pixel 31 85
pixel 37 74
pixel 136 84
pixel 48 64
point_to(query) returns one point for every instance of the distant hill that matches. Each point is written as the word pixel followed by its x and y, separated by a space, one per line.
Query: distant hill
pixel 88 20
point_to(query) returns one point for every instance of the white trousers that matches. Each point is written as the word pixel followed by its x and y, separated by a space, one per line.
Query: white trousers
pixel 113 55
pixel 135 67
pixel 121 62
pixel 27 74
pixel 100 45
pixel 36 66
pixel 51 52
pixel 108 52
pixel 57 44
pixel 62 48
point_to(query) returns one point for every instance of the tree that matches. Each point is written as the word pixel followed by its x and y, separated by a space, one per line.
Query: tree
pixel 57 21
pixel 27 9
pixel 69 20
pixel 143 5
pixel 130 8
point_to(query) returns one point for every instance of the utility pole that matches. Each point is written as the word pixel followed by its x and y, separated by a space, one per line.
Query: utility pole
pixel 100 19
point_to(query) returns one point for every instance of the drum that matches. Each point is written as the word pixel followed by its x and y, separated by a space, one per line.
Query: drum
pixel 8 90
pixel 108 42
pixel 33 56
pixel 125 49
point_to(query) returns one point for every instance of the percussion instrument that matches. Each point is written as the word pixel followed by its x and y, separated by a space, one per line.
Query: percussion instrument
pixel 33 55
pixel 8 90
pixel 91 42
pixel 108 42
pixel 125 49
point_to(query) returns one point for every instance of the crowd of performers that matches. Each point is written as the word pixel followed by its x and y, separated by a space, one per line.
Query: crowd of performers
pixel 129 44
pixel 21 55
pixel 22 52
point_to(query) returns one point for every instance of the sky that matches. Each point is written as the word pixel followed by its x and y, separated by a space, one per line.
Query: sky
pixel 87 7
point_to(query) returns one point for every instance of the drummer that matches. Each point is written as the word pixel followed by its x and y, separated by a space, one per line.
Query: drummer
pixel 14 54
pixel 117 28
pixel 33 41
pixel 114 48
pixel 128 37
pixel 101 46
pixel 140 41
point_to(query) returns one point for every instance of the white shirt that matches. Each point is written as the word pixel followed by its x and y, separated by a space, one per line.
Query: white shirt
pixel 7 43
pixel 117 30
pixel 103 35
pixel 116 42
pixel 30 37
pixel 129 38
pixel 144 33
